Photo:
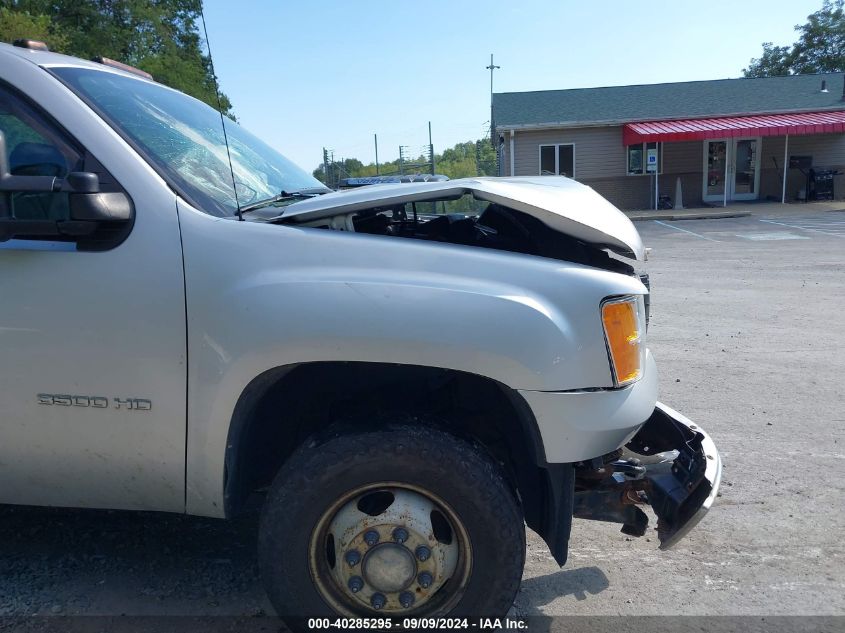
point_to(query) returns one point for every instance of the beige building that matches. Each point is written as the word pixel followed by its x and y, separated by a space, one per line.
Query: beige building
pixel 727 140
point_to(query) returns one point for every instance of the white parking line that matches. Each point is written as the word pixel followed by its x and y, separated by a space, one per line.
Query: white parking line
pixel 803 228
pixel 822 227
pixel 669 226
pixel 817 220
pixel 813 221
pixel 771 235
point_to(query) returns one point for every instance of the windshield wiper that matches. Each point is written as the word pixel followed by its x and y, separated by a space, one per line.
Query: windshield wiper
pixel 282 196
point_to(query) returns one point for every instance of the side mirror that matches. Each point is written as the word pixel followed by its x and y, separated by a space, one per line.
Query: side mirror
pixel 100 207
pixel 90 208
pixel 89 204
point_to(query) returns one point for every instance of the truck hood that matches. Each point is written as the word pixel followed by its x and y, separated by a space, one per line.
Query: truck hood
pixel 562 204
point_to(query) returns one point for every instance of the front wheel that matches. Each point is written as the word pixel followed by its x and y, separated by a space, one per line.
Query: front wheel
pixel 403 521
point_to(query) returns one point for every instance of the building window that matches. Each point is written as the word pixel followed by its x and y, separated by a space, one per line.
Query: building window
pixel 638 158
pixel 557 160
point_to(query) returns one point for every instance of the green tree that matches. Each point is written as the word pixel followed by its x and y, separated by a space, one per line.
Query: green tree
pixel 22 25
pixel 820 47
pixel 774 62
pixel 158 36
pixel 471 158
pixel 464 160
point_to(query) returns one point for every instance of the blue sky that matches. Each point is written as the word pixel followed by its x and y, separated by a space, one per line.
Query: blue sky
pixel 308 75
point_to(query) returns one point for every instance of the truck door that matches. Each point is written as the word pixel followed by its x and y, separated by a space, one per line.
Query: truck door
pixel 92 332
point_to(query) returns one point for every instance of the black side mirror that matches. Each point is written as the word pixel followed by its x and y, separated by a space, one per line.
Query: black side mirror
pixel 90 208
pixel 100 207
pixel 89 204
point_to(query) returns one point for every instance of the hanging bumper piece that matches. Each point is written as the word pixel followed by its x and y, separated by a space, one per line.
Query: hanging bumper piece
pixel 671 464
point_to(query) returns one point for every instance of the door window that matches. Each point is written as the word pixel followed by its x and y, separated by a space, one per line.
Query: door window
pixel 745 162
pixel 716 162
pixel 731 169
pixel 35 147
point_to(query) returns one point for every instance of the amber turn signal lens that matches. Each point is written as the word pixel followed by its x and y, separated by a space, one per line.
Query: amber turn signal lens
pixel 621 329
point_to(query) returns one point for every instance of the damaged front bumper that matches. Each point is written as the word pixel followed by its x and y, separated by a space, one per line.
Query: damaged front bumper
pixel 671 464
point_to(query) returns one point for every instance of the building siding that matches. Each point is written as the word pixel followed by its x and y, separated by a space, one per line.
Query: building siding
pixel 598 150
pixel 684 160
pixel 600 162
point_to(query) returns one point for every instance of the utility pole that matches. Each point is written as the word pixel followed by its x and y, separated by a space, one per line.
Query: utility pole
pixel 375 139
pixel 491 68
pixel 326 166
pixel 431 148
pixel 332 170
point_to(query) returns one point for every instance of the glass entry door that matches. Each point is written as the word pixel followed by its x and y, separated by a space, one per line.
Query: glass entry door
pixel 731 169
pixel 745 166
pixel 715 174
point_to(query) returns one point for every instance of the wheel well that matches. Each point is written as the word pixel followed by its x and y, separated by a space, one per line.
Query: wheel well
pixel 284 406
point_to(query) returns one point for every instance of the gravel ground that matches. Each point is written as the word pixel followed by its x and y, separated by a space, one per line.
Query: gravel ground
pixel 747 335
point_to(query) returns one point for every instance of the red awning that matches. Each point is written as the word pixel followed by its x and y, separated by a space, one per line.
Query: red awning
pixel 759 125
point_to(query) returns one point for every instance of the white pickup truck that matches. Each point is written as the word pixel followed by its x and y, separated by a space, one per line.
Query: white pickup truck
pixel 405 386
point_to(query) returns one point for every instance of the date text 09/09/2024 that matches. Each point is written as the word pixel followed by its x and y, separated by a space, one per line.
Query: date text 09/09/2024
pixel 430 624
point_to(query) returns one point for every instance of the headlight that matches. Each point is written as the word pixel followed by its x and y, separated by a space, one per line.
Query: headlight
pixel 623 333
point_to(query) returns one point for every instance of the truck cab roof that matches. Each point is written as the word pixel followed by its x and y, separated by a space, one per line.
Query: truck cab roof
pixel 49 59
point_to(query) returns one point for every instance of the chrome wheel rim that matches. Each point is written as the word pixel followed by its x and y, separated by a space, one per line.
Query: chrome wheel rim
pixel 390 548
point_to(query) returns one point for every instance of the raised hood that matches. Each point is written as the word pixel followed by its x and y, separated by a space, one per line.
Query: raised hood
pixel 562 204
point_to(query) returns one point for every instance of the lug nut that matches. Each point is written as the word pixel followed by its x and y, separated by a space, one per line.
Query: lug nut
pixel 406 599
pixel 371 537
pixel 353 557
pixel 356 583
pixel 425 580
pixel 378 601
pixel 423 553
pixel 400 535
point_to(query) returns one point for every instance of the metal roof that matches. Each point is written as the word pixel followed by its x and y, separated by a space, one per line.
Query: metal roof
pixel 759 125
pixel 652 102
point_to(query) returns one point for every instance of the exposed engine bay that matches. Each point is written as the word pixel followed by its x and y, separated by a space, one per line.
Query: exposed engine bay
pixel 547 216
pixel 496 226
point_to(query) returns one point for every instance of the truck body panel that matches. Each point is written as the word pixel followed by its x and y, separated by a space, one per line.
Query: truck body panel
pixel 122 369
pixel 92 326
pixel 263 295
pixel 581 424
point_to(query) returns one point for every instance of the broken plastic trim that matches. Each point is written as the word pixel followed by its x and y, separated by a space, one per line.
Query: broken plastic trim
pixel 680 491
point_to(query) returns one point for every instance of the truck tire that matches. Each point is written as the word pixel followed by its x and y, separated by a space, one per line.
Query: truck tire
pixel 405 521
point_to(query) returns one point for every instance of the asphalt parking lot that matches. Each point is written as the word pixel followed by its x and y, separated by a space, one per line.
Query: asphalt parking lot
pixel 747 329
